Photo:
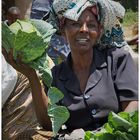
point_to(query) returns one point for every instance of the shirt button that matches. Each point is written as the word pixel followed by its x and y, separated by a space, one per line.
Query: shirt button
pixel 86 96
pixel 93 111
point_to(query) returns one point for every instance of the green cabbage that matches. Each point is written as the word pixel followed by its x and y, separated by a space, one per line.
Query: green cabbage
pixel 29 40
pixel 58 114
pixel 121 126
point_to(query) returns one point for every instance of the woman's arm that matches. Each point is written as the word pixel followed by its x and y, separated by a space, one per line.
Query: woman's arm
pixel 40 99
pixel 129 106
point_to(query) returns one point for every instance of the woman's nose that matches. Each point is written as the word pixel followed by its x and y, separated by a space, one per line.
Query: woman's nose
pixel 84 28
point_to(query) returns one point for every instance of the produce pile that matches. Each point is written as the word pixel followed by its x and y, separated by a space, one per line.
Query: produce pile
pixel 121 126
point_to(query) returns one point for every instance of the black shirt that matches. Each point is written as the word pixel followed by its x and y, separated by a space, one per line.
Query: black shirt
pixel 113 79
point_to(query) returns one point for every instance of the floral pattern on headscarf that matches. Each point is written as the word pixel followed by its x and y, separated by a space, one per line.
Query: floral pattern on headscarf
pixel 108 12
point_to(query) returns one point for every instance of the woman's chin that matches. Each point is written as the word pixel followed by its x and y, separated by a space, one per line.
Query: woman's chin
pixel 84 47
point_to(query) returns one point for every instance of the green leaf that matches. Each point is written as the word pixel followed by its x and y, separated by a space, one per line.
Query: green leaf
pixel 58 116
pixel 124 115
pixel 89 135
pixel 8 37
pixel 55 95
pixel 42 65
pixel 134 116
pixel 29 45
pixel 104 136
pixel 24 26
pixel 108 128
pixel 45 29
pixel 123 136
pixel 118 122
pixel 47 77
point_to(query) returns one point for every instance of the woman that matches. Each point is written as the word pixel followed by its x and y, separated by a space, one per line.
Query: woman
pixel 95 78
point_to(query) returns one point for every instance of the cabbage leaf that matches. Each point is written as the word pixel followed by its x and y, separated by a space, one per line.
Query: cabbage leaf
pixel 121 126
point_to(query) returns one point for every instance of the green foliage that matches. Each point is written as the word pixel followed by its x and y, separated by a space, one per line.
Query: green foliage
pixel 130 18
pixel 8 37
pixel 29 40
pixel 54 95
pixel 42 65
pixel 130 4
pixel 58 114
pixel 46 30
pixel 121 126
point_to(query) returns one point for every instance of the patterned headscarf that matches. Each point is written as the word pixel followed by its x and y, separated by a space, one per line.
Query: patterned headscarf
pixel 108 11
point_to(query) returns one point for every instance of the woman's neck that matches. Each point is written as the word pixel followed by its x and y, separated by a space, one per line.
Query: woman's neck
pixel 82 61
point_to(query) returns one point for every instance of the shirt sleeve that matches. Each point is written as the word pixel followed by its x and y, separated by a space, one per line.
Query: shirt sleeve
pixel 126 78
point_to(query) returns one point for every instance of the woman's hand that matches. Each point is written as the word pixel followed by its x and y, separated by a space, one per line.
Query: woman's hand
pixel 129 106
pixel 18 64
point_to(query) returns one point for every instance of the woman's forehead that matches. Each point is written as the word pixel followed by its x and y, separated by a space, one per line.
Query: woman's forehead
pixel 87 13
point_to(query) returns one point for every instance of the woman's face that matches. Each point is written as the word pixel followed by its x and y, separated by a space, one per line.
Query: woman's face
pixel 82 34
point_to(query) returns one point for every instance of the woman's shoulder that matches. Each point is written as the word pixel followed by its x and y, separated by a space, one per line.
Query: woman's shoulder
pixel 116 52
pixel 120 56
pixel 113 52
pixel 59 68
pixel 115 56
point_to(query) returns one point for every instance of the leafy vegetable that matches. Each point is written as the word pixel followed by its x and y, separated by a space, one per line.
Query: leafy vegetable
pixel 7 38
pixel 29 40
pixel 42 65
pixel 54 98
pixel 58 114
pixel 121 126
pixel 43 29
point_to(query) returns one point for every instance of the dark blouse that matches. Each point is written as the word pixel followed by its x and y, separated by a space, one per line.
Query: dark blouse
pixel 113 79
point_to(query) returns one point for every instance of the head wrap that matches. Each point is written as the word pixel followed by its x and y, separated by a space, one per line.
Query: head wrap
pixel 108 12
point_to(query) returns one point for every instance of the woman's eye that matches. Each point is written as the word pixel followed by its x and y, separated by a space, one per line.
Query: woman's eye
pixel 75 24
pixel 91 25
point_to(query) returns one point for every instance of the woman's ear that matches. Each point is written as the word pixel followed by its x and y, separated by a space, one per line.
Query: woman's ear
pixel 100 30
pixel 63 34
pixel 62 28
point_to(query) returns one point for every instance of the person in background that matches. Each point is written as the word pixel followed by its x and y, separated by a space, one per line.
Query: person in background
pixel 40 8
pixel 134 40
pixel 12 15
pixel 94 77
pixel 117 38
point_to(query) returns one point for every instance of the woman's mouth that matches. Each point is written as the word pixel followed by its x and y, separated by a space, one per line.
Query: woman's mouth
pixel 82 41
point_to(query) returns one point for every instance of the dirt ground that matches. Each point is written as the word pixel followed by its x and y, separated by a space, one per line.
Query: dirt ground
pixel 130 31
